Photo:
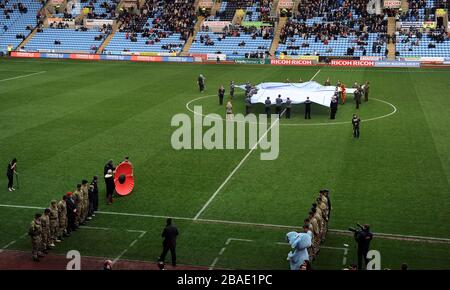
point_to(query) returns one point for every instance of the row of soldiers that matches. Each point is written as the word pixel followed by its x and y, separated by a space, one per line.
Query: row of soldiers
pixel 63 217
pixel 317 222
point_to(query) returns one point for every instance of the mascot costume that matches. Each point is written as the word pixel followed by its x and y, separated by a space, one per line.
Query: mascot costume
pixel 299 242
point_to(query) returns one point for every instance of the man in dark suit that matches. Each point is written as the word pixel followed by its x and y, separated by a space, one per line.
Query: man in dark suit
pixel 169 234
pixel 267 104
pixel 308 108
pixel 221 94
pixel 71 213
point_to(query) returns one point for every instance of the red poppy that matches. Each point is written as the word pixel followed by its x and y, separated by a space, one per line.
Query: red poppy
pixel 123 178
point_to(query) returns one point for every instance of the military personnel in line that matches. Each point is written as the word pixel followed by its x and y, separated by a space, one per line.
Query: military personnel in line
pixel 327 82
pixel 366 92
pixel 54 223
pixel 315 231
pixel 326 193
pixel 320 222
pixel 232 89
pixel 307 223
pixel 267 104
pixel 45 224
pixel 62 218
pixel 78 199
pixel 278 104
pixel 248 106
pixel 35 232
pixel 91 195
pixel 322 206
pixel 288 108
pixel 221 94
pixel 85 191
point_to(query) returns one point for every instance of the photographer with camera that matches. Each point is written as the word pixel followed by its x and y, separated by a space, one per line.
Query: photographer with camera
pixel 363 236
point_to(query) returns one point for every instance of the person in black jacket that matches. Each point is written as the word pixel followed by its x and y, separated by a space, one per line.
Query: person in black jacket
pixel 71 213
pixel 308 108
pixel 95 194
pixel 108 166
pixel 169 234
pixel 221 94
pixel 109 181
pixel 363 238
pixel 10 173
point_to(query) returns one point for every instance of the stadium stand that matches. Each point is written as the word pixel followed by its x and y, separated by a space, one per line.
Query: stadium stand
pixel 98 9
pixel 17 20
pixel 334 28
pixel 162 26
pixel 67 40
pixel 237 41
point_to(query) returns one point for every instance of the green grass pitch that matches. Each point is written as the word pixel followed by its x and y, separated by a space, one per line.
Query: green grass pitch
pixel 68 118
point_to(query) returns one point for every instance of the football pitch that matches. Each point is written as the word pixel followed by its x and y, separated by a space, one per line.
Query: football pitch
pixel 63 120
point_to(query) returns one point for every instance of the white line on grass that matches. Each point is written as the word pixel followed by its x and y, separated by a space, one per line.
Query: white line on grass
pixel 299 124
pixel 12 243
pixel 214 263
pixel 242 162
pixel 23 76
pixel 314 76
pixel 129 246
pixel 336 231
pixel 95 228
pixel 235 169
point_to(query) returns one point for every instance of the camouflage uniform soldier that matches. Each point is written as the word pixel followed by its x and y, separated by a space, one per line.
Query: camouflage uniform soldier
pixel 316 233
pixel 45 224
pixel 324 209
pixel 85 191
pixel 62 218
pixel 307 223
pixel 35 232
pixel 320 222
pixel 366 91
pixel 78 198
pixel 54 223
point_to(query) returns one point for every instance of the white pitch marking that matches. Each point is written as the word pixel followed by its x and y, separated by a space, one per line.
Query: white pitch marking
pixel 301 124
pixel 236 168
pixel 95 228
pixel 229 240
pixel 22 76
pixel 393 236
pixel 213 264
pixel 129 246
pixel 314 76
pixel 12 243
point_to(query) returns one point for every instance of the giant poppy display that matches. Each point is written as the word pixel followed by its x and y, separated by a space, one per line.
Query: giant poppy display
pixel 123 178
